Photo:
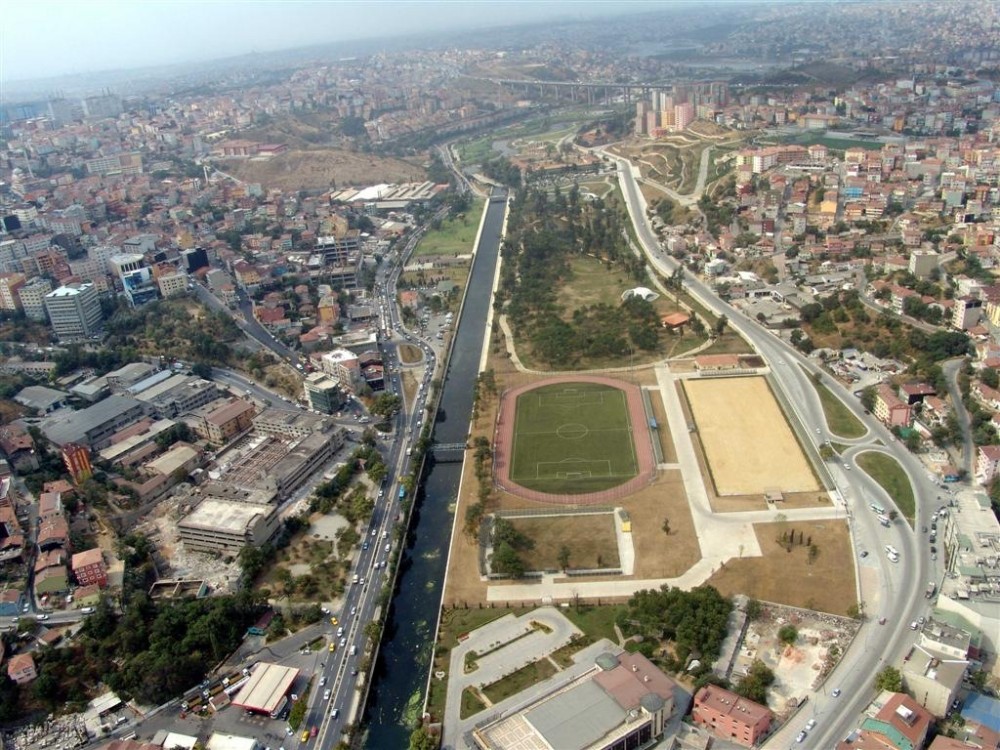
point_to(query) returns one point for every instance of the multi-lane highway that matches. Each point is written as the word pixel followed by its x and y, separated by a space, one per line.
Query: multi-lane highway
pixel 891 592
pixel 334 701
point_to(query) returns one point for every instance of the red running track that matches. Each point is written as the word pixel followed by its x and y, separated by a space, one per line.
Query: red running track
pixel 503 443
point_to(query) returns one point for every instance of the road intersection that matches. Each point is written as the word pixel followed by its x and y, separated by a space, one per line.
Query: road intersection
pixel 889 590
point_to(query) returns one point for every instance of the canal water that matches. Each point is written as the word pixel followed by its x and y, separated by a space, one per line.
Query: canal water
pixel 400 677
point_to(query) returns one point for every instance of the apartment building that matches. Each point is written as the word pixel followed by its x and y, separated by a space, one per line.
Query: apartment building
pixel 173 284
pixel 10 285
pixel 219 424
pixel 343 365
pixel 898 723
pixel 937 665
pixel 730 716
pixel 32 295
pixel 890 409
pixel 21 669
pixel 987 463
pixel 74 311
pixel 323 393
pixel 966 313
pixel 89 568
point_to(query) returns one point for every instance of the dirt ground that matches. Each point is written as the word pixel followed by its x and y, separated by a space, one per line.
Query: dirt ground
pixel 323 169
pixel 591 540
pixel 732 415
pixel 827 584
pixel 803 665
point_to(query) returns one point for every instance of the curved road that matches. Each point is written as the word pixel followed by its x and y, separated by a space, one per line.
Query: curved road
pixel 889 590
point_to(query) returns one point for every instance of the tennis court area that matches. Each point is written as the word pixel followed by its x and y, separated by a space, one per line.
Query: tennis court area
pixel 573 437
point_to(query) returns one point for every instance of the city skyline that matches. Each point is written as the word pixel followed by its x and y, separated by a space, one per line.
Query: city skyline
pixel 52 39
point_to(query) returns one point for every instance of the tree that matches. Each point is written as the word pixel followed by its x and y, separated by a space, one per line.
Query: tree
pixel 889 679
pixel 754 685
pixel 385 404
pixel 506 561
pixel 421 739
pixel 754 609
pixel 564 554
pixel 788 634
pixel 202 370
pixel 990 377
pixel 666 526
pixel 720 325
pixel 868 396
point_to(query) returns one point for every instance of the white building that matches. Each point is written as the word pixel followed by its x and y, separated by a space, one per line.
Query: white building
pixel 74 311
pixel 343 365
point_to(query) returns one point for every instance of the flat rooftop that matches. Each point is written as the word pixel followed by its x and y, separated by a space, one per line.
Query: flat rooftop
pixel 267 685
pixel 227 516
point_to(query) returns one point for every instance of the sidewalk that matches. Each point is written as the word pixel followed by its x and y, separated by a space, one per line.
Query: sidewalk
pixel 721 536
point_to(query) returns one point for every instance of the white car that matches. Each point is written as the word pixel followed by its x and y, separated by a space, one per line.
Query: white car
pixel 326 694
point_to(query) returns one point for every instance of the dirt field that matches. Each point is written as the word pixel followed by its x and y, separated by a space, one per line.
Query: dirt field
pixel 322 169
pixel 799 667
pixel 827 584
pixel 591 540
pixel 749 445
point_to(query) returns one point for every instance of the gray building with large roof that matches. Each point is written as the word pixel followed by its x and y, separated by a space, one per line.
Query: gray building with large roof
pixel 94 425
pixel 623 702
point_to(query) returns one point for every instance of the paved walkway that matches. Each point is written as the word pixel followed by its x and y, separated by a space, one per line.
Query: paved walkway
pixel 626 550
pixel 721 536
pixel 509 650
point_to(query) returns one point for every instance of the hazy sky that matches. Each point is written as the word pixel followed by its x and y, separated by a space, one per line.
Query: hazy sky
pixel 41 38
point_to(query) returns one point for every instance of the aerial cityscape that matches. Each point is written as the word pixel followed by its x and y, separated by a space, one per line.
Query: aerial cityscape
pixel 500 376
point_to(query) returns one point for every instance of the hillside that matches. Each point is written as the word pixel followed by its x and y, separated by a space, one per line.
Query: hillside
pixel 320 169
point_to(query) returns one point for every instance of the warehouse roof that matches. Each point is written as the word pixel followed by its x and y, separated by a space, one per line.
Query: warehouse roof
pixel 267 685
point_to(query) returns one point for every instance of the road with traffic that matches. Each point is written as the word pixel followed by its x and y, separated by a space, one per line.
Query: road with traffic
pixel 892 592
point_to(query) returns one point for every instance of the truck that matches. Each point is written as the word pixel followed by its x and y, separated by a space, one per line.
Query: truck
pixel 280 707
pixel 931 589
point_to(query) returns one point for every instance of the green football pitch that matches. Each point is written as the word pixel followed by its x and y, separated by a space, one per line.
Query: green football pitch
pixel 572 438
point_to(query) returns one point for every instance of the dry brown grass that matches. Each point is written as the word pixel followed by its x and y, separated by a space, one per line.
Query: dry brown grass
pixel 322 169
pixel 411 382
pixel 590 539
pixel 409 354
pixel 827 584
pixel 11 410
pixel 284 378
